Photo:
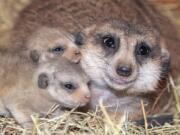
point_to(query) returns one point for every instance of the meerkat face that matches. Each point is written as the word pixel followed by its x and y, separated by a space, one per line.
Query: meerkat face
pixel 48 43
pixel 124 56
pixel 66 83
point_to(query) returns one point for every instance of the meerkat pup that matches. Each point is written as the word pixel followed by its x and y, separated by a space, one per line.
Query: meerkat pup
pixel 47 43
pixel 39 87
pixel 127 63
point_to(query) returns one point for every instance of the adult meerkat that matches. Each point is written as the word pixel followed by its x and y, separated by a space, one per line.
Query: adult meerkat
pixel 127 63
pixel 38 87
pixel 75 15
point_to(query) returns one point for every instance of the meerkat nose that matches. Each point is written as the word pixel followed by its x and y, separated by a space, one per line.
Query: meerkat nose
pixel 76 56
pixel 124 71
pixel 87 97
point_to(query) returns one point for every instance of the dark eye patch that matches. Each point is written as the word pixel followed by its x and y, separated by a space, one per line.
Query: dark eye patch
pixel 143 49
pixel 58 50
pixel 109 42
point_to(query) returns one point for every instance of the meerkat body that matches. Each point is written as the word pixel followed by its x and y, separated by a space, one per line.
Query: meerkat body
pixel 38 87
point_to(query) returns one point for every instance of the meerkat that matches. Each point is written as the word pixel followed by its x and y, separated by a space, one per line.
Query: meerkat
pixel 130 63
pixel 48 43
pixel 76 15
pixel 39 87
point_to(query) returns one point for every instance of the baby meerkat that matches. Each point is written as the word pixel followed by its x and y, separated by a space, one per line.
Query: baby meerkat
pixel 47 43
pixel 39 87
pixel 127 63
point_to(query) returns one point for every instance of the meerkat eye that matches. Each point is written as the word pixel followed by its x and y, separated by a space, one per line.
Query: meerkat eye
pixel 58 49
pixel 143 49
pixel 69 86
pixel 109 41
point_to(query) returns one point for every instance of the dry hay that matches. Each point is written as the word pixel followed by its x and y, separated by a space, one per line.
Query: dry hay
pixel 74 123
pixel 94 123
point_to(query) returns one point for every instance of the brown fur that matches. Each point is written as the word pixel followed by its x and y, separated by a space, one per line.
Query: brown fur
pixel 74 15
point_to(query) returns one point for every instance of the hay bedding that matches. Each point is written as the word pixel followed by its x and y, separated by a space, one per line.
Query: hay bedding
pixel 91 123
pixel 75 123
pixel 95 123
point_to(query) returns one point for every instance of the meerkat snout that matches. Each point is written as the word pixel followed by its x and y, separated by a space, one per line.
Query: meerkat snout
pixel 86 96
pixel 73 54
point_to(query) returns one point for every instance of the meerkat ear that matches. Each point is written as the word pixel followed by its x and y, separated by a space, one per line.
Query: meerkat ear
pixel 165 55
pixel 43 81
pixel 34 55
pixel 79 38
pixel 164 51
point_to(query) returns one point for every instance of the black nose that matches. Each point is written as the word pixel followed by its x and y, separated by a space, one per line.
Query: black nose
pixel 124 71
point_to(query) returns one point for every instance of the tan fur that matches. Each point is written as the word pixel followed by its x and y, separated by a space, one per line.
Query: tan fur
pixel 21 96
pixel 125 93
pixel 75 15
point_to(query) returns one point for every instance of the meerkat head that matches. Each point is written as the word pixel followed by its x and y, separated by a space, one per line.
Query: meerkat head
pixel 65 82
pixel 48 43
pixel 124 56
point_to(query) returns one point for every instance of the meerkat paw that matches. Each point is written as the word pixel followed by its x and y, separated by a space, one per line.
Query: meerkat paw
pixel 27 124
pixel 22 115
